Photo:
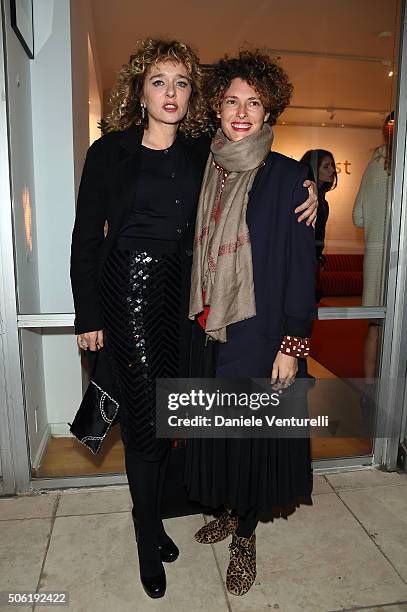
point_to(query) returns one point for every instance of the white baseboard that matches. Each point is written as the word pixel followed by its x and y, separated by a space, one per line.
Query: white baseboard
pixel 52 429
pixel 42 447
pixel 60 429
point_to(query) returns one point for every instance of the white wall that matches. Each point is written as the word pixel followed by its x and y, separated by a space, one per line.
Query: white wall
pixel 95 96
pixel 63 377
pixel 53 151
pixel 22 171
pixel 79 12
pixel 86 82
pixel 354 146
pixel 60 86
pixel 60 93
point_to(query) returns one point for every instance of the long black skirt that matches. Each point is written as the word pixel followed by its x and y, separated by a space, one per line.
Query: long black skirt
pixel 142 312
pixel 270 475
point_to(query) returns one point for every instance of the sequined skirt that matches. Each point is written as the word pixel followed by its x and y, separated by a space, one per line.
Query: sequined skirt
pixel 141 306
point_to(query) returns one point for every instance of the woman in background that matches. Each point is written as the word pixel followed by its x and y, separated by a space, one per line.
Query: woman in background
pixel 322 164
pixel 371 211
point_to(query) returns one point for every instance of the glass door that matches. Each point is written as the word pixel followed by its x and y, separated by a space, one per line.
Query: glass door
pixel 346 111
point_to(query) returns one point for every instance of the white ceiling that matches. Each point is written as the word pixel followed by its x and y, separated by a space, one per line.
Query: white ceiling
pixel 301 32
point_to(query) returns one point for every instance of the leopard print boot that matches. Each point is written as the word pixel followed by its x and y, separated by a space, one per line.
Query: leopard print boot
pixel 241 571
pixel 218 529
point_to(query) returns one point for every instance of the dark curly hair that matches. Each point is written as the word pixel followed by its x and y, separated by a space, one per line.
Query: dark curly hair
pixel 260 72
pixel 125 97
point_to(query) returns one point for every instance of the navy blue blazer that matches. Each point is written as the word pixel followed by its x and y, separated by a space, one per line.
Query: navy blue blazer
pixel 284 264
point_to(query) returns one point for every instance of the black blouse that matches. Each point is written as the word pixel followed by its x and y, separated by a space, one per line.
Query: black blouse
pixel 165 196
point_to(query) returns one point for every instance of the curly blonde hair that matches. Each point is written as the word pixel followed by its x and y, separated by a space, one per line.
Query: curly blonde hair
pixel 125 97
pixel 260 72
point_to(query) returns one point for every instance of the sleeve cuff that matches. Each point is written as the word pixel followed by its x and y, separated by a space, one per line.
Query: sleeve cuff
pixel 301 328
pixel 295 346
pixel 83 325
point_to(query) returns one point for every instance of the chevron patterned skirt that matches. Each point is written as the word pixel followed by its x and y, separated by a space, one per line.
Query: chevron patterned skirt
pixel 141 305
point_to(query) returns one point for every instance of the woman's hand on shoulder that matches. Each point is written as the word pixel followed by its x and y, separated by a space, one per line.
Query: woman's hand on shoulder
pixel 284 371
pixel 90 340
pixel 309 208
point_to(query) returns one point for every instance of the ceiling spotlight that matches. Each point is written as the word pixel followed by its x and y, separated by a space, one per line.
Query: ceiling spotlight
pixel 342 125
pixel 283 123
pixel 391 73
pixel 323 124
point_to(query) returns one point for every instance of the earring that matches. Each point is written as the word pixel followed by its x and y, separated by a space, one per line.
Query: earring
pixel 143 111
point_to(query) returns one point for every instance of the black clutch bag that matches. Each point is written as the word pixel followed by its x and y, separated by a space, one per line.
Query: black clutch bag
pixel 99 408
pixel 99 411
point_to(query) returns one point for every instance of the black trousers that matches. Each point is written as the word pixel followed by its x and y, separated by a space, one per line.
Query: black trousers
pixel 146 483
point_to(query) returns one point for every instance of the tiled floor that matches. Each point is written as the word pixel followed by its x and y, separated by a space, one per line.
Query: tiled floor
pixel 347 551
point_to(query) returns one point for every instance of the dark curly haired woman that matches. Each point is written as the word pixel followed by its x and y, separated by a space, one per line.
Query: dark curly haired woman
pixel 252 297
pixel 131 287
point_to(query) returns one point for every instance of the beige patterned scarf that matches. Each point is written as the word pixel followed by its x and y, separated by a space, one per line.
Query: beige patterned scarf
pixel 222 266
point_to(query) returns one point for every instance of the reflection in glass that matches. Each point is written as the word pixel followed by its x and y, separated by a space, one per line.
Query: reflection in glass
pixel 371 212
pixel 338 352
pixel 27 218
pixel 344 90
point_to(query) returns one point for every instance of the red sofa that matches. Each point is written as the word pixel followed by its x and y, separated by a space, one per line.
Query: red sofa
pixel 341 275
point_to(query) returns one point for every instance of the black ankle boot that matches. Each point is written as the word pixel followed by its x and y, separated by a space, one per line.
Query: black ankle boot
pixel 152 573
pixel 154 586
pixel 169 551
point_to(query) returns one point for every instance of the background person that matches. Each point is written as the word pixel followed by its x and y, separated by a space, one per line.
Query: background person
pixel 372 212
pixel 322 164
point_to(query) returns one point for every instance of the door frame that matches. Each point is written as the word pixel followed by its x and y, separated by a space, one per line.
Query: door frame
pixel 14 448
pixel 394 349
pixel 14 452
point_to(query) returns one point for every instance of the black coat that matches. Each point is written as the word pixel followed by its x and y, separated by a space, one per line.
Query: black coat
pixel 106 194
pixel 320 225
pixel 283 253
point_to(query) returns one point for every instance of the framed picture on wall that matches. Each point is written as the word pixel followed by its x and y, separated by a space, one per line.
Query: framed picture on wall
pixel 22 24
